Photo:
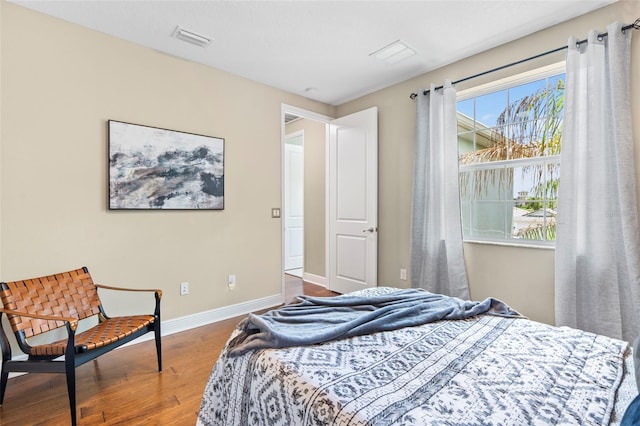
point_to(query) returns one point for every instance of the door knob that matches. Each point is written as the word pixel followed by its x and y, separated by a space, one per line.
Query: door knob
pixel 370 230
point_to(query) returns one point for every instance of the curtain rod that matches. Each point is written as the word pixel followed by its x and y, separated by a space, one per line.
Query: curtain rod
pixel 635 26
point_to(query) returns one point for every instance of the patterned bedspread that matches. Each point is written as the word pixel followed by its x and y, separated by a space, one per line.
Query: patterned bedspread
pixel 485 370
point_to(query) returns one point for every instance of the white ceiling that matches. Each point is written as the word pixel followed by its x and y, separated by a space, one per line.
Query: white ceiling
pixel 296 45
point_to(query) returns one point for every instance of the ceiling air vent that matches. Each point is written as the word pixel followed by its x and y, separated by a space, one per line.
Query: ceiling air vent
pixel 191 37
pixel 394 53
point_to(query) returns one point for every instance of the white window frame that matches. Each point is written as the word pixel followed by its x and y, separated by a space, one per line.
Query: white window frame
pixel 495 86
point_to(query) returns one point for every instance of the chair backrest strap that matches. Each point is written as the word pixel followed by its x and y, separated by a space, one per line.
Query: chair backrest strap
pixel 68 294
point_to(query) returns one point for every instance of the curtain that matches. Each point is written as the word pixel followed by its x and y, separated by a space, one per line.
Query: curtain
pixel 437 258
pixel 597 259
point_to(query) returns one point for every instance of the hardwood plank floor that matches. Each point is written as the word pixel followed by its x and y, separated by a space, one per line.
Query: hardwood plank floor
pixel 123 387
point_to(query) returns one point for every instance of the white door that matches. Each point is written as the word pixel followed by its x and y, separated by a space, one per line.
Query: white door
pixel 352 255
pixel 294 201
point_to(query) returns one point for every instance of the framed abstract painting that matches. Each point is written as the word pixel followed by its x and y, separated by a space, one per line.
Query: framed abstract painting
pixel 158 169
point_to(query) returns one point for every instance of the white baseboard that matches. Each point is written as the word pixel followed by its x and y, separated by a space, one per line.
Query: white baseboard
pixel 188 322
pixel 176 325
pixel 315 279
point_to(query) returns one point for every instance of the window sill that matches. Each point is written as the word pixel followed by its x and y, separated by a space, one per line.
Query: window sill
pixel 509 244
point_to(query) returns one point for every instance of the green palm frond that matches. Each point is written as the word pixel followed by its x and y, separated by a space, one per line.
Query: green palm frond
pixel 538 232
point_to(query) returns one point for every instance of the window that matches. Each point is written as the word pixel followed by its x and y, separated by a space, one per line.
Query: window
pixel 509 155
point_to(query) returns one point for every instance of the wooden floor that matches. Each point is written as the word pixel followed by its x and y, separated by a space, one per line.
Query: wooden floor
pixel 123 387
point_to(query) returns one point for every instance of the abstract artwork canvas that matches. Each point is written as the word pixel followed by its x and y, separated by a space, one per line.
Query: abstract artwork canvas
pixel 154 168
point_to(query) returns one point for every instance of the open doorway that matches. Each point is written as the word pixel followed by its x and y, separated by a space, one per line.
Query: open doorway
pixel 304 136
pixel 294 202
pixel 340 209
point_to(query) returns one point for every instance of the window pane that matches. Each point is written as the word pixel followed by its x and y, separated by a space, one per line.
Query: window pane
pixel 555 98
pixel 467 185
pixel 526 180
pixel 486 184
pixel 491 144
pixel 466 141
pixel 490 219
pixel 527 101
pixel 528 139
pixel 487 145
pixel 485 203
pixel 490 107
pixel 539 224
pixel 466 108
pixel 536 191
pixel 487 138
pixel 552 183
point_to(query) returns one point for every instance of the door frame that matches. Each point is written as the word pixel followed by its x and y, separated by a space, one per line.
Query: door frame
pixel 300 112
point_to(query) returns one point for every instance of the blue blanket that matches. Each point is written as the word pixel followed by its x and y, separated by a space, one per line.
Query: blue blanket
pixel 320 319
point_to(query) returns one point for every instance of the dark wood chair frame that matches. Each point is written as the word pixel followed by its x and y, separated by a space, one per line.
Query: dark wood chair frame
pixel 74 355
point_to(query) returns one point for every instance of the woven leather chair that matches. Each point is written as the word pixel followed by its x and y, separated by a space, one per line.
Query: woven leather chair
pixel 38 305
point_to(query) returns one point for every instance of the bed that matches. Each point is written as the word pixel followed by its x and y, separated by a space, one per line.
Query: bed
pixel 484 369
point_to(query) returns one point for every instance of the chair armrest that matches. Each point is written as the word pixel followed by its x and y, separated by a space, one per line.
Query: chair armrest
pixel 73 322
pixel 106 287
pixel 157 294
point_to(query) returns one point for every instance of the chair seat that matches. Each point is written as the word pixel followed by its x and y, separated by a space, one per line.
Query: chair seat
pixel 104 333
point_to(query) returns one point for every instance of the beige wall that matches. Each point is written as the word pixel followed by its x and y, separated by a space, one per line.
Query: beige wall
pixel 59 84
pixel 1 131
pixel 522 277
pixel 314 193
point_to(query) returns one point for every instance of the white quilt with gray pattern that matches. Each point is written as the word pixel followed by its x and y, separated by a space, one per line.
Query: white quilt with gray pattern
pixel 485 370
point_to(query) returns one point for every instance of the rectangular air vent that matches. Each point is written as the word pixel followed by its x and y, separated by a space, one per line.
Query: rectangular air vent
pixel 191 37
pixel 394 53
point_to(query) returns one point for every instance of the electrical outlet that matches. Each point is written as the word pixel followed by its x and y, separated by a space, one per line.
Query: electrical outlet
pixel 184 289
pixel 403 274
pixel 232 282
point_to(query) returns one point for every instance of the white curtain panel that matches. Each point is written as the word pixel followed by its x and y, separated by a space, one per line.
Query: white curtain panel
pixel 597 260
pixel 437 258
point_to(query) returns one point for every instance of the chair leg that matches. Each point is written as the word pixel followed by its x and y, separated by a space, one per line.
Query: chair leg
pixel 5 347
pixel 3 384
pixel 158 344
pixel 70 369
